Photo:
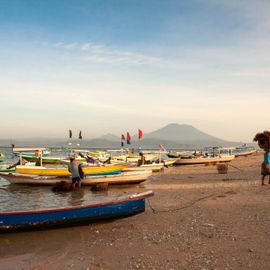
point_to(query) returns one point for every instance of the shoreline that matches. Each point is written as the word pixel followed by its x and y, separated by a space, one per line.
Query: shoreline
pixel 197 219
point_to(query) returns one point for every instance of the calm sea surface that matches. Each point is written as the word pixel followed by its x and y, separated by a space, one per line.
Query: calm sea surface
pixel 22 197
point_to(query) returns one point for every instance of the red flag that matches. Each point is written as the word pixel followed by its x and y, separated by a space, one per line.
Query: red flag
pixel 140 134
pixel 128 138
pixel 123 137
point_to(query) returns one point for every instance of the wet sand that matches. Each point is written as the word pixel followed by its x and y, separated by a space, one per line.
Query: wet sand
pixel 198 219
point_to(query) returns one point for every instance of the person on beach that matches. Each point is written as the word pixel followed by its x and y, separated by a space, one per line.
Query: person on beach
pixel 74 169
pixel 263 140
pixel 141 161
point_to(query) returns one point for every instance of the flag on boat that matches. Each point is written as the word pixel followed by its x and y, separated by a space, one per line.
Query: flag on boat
pixel 128 138
pixel 122 140
pixel 161 148
pixel 140 134
pixel 70 134
pixel 80 135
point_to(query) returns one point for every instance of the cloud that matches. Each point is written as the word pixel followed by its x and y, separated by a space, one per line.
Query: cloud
pixel 101 54
pixel 67 46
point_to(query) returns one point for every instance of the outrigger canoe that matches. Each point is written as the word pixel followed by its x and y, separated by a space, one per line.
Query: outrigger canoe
pixel 123 178
pixel 63 171
pixel 110 207
pixel 155 167
pixel 48 159
pixel 204 160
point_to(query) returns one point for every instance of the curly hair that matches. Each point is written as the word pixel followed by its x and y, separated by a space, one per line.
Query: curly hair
pixel 263 139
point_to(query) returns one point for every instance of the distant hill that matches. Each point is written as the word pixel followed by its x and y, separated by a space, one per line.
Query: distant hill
pixel 182 136
pixel 171 136
pixel 110 137
pixel 182 133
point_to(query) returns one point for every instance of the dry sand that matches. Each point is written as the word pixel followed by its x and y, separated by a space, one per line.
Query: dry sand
pixel 198 219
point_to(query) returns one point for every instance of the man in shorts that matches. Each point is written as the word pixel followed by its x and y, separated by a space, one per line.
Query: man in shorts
pixel 74 170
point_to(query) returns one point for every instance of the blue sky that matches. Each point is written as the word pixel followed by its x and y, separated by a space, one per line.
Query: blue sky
pixel 115 66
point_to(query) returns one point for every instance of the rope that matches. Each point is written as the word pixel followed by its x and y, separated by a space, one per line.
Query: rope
pixel 179 208
pixel 235 167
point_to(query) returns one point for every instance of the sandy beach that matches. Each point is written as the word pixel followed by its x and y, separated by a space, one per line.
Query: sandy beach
pixel 198 219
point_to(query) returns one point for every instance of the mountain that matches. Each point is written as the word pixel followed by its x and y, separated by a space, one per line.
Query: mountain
pixel 171 136
pixel 181 133
pixel 110 137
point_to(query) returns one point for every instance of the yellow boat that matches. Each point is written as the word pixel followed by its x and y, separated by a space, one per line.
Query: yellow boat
pixel 88 170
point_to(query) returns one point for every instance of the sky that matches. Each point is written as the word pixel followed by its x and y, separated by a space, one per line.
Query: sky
pixel 118 65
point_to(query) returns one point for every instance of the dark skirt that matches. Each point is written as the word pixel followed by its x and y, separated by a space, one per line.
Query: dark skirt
pixel 265 169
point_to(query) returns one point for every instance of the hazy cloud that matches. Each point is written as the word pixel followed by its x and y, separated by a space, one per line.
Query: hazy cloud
pixel 98 53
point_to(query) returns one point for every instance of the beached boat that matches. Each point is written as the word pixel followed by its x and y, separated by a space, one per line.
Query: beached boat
pixel 132 158
pixel 31 151
pixel 48 159
pixel 110 207
pixel 169 162
pixel 5 168
pixel 244 151
pixel 63 171
pixel 204 160
pixel 123 178
pixel 155 167
pixel 2 157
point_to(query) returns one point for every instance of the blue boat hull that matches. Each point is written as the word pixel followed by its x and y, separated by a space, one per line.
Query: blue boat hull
pixel 64 216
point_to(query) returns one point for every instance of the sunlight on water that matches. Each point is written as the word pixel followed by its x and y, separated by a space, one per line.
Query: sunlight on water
pixel 22 197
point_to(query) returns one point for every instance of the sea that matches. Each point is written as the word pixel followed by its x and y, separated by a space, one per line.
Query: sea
pixel 14 197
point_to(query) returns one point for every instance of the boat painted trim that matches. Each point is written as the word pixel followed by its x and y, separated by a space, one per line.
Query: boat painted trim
pixel 123 178
pixel 117 207
pixel 88 170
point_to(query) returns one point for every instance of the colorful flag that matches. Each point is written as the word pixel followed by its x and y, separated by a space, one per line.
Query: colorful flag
pixel 140 134
pixel 122 140
pixel 161 148
pixel 128 138
pixel 80 135
pixel 70 134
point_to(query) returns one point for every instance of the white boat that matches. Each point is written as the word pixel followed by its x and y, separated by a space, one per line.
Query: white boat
pixel 155 167
pixel 244 151
pixel 123 178
pixel 204 160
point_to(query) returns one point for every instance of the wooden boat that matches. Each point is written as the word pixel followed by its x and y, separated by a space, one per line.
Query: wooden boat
pixel 169 162
pixel 4 168
pixel 154 167
pixel 244 151
pixel 110 207
pixel 244 154
pixel 17 150
pixel 166 162
pixel 48 159
pixel 123 178
pixel 2 157
pixel 204 160
pixel 132 158
pixel 63 171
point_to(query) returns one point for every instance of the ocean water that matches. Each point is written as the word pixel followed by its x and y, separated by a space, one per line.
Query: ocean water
pixel 25 197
